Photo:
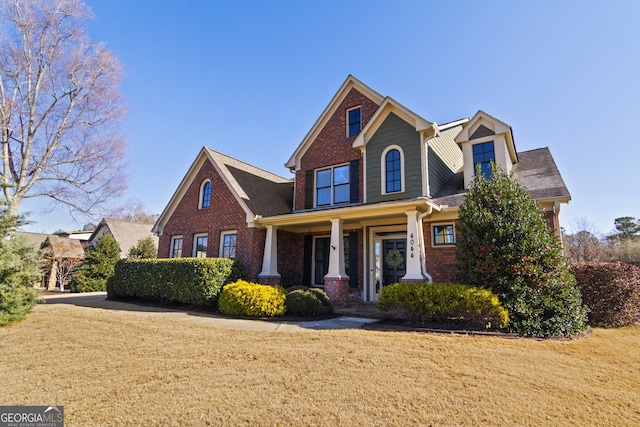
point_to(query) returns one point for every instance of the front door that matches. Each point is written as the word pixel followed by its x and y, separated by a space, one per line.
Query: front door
pixel 394 263
pixel 389 265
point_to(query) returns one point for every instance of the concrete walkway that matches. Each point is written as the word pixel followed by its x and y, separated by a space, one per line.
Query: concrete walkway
pixel 99 300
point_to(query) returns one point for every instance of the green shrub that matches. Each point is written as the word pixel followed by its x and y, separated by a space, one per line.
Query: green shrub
pixel 443 302
pixel 19 270
pixel 611 291
pixel 308 302
pixel 243 298
pixel 195 281
pixel 505 244
pixel 98 266
pixel 143 249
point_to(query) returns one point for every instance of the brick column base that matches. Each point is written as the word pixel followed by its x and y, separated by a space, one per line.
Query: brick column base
pixel 269 280
pixel 337 289
pixel 403 280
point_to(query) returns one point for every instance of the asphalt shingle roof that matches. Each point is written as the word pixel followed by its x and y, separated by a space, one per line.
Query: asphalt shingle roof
pixel 536 171
pixel 266 197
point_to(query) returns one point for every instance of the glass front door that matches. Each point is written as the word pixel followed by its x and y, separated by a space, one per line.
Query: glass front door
pixel 389 262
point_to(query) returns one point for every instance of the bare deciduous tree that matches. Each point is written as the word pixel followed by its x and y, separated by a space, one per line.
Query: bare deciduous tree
pixel 584 244
pixel 65 267
pixel 61 107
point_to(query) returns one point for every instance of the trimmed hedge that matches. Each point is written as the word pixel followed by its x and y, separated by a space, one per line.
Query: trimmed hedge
pixel 243 298
pixel 195 281
pixel 444 302
pixel 305 301
pixel 611 291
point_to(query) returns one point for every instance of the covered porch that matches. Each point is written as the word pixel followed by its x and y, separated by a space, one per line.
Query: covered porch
pixel 384 243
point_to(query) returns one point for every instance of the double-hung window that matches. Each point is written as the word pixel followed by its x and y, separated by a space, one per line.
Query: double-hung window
pixel 483 154
pixel 443 235
pixel 200 242
pixel 176 247
pixel 332 185
pixel 354 124
pixel 228 244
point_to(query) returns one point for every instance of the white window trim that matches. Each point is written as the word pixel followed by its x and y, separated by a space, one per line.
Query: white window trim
pixel 195 243
pixel 383 170
pixel 433 235
pixel 346 120
pixel 173 239
pixel 200 200
pixel 227 233
pixel 315 185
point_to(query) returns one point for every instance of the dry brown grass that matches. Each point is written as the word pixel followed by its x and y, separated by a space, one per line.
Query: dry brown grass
pixel 133 368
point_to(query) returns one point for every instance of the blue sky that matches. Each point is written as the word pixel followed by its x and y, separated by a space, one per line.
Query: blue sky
pixel 249 79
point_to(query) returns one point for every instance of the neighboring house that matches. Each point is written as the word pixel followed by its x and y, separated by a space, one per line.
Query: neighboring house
pixel 126 234
pixel 374 199
pixel 78 235
pixel 62 256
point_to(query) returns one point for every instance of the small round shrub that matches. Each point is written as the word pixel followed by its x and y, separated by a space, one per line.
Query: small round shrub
pixel 243 298
pixel 444 302
pixel 308 302
pixel 611 291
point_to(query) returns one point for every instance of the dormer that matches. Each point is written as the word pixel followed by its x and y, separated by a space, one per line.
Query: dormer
pixel 483 139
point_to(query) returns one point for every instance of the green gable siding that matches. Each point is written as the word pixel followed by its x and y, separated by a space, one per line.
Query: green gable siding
pixel 445 158
pixel 394 131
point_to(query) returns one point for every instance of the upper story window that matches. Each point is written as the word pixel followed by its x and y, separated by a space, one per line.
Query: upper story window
pixel 443 235
pixel 176 247
pixel 353 122
pixel 200 242
pixel 228 244
pixel 205 194
pixel 393 171
pixel 483 154
pixel 332 185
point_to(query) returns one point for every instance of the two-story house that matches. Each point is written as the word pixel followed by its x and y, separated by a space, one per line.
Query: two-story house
pixel 374 199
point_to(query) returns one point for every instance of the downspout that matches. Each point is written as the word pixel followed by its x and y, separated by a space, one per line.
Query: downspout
pixel 423 252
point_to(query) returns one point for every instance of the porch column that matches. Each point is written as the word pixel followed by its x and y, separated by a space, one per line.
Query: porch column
pixel 336 282
pixel 269 274
pixel 414 237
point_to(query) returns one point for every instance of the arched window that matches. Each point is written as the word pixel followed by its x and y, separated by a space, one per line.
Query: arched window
pixel 393 171
pixel 205 194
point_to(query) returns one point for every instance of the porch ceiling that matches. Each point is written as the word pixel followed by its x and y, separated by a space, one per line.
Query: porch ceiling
pixel 353 216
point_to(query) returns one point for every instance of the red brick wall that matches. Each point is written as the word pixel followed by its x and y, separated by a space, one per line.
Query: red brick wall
pixel 224 214
pixel 441 261
pixel 332 146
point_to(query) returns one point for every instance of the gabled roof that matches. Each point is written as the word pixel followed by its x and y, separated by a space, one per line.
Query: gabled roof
pixel 536 171
pixel 497 127
pixel 33 239
pixel 62 247
pixel 258 192
pixel 388 106
pixel 125 233
pixel 350 83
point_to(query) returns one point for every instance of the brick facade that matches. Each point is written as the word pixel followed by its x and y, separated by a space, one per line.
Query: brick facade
pixel 332 146
pixel 441 261
pixel 223 214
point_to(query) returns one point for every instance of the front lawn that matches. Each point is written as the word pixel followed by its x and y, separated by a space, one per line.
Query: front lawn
pixel 135 368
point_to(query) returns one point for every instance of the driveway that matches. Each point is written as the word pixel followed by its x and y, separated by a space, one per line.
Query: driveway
pixel 99 300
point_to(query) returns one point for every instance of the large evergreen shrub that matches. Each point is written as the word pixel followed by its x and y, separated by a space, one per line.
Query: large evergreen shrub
pixel 19 271
pixel 145 248
pixel 98 266
pixel 505 244
pixel 611 290
pixel 194 281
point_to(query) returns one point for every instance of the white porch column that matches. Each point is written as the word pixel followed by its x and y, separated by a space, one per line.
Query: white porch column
pixel 414 237
pixel 270 258
pixel 336 252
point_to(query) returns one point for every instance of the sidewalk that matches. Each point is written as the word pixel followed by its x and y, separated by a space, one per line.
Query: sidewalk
pixel 99 300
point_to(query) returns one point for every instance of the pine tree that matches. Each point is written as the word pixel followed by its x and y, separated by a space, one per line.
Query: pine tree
pixel 505 244
pixel 99 264
pixel 19 271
